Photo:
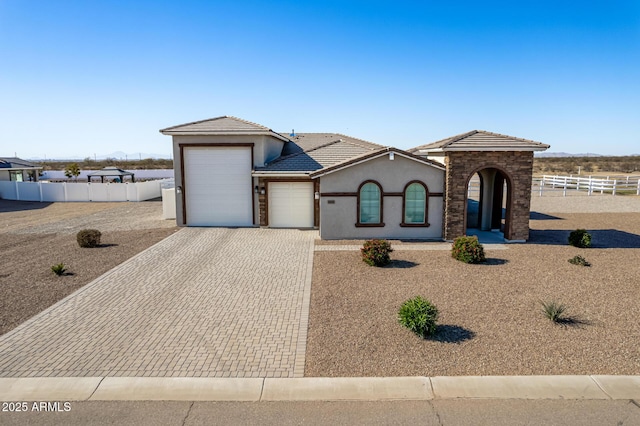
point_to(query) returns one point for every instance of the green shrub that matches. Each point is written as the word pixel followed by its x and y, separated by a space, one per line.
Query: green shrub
pixel 468 250
pixel 579 260
pixel 376 252
pixel 580 238
pixel 58 269
pixel 554 310
pixel 89 238
pixel 419 315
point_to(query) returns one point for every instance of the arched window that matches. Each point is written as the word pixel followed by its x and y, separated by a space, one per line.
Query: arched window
pixel 415 200
pixel 370 204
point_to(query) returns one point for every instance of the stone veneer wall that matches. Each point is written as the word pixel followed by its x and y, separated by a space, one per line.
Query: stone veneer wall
pixel 262 198
pixel 517 165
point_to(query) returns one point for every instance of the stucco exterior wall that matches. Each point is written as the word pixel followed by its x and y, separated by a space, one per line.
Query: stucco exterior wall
pixel 339 202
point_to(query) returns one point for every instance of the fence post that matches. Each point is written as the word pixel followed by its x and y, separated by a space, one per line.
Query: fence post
pixel 564 191
pixel 541 184
pixel 590 186
pixel 17 190
pixel 638 191
pixel 615 183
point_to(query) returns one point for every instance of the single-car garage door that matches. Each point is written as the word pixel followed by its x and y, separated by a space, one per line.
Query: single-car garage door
pixel 217 186
pixel 291 204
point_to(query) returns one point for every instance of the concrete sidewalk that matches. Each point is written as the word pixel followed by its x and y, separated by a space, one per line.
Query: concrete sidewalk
pixel 318 389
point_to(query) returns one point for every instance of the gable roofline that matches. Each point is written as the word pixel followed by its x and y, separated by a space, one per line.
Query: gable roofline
pixel 503 143
pixel 259 129
pixel 371 156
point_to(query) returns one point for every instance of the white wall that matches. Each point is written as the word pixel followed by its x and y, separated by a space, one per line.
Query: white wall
pixel 82 192
pixel 169 203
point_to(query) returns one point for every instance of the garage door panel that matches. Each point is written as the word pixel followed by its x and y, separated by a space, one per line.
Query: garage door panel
pixel 218 186
pixel 291 204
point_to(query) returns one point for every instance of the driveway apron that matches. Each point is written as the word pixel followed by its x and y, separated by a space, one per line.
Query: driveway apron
pixel 205 302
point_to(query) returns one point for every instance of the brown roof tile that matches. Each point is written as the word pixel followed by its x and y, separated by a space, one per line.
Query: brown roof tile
pixel 480 140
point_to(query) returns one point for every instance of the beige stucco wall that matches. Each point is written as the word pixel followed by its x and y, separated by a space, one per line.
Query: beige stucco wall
pixel 338 220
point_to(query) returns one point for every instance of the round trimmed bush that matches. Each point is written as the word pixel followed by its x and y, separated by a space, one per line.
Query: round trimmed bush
pixel 580 238
pixel 468 250
pixel 419 315
pixel 376 252
pixel 89 238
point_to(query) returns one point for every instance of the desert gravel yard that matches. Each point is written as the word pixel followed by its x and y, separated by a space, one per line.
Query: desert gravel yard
pixel 35 236
pixel 490 315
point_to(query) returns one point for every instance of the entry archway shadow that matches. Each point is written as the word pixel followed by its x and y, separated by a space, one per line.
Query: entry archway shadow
pixel 543 216
pixel 600 238
pixel 447 333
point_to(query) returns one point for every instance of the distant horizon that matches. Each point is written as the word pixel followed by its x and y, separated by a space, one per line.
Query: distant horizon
pixel 83 78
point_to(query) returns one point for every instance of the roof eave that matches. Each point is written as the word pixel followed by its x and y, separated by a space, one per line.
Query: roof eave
pixel 21 168
pixel 489 148
pixel 223 133
pixel 279 174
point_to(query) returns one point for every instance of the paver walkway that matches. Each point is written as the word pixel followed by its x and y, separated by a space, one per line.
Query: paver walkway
pixel 209 302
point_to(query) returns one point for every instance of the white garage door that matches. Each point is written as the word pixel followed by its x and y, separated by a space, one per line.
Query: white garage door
pixel 291 204
pixel 217 186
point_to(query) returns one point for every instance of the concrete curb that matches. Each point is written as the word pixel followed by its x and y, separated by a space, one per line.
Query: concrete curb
pixel 317 389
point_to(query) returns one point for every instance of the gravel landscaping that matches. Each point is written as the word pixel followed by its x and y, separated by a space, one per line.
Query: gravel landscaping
pixel 491 321
pixel 35 236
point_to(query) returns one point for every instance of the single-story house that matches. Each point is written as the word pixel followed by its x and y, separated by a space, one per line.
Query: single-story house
pixel 232 172
pixel 16 169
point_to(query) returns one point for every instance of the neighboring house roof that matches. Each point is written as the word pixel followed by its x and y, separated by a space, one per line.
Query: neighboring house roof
pixel 308 152
pixel 225 125
pixel 373 155
pixel 110 171
pixel 15 163
pixel 480 140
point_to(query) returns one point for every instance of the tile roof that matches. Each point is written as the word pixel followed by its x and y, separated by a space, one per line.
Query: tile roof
pixel 221 125
pixel 480 140
pixel 307 152
pixel 16 163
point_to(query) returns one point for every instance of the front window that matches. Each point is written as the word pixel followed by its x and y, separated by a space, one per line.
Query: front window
pixel 415 204
pixel 369 203
pixel 16 176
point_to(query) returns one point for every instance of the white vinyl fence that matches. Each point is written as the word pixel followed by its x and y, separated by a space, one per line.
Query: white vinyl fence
pixel 63 192
pixel 607 185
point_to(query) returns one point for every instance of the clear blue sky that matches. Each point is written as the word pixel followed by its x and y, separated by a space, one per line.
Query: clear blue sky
pixel 85 77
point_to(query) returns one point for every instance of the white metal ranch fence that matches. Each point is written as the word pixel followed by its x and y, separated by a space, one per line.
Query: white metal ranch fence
pixel 554 185
pixel 69 192
pixel 604 185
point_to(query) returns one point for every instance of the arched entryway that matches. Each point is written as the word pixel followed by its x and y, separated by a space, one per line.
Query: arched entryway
pixel 489 202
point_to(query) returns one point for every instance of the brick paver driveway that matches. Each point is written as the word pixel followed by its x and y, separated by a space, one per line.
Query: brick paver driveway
pixel 210 302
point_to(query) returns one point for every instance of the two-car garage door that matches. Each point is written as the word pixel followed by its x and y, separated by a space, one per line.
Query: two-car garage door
pixel 218 186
